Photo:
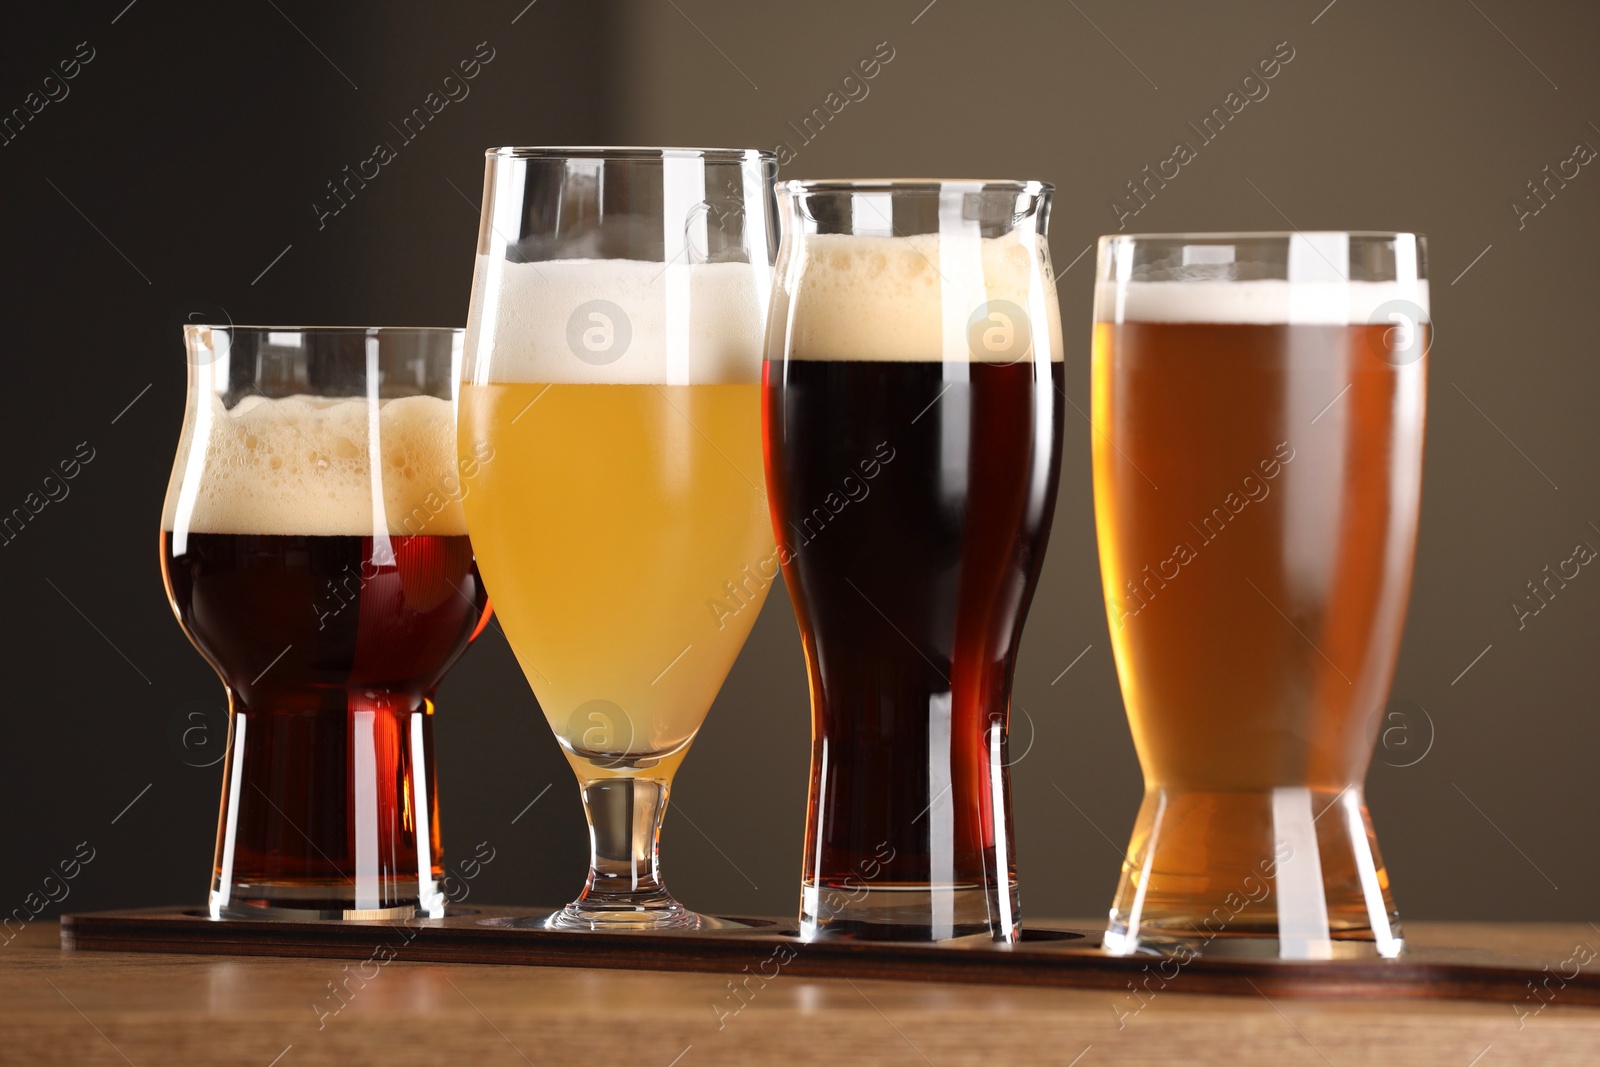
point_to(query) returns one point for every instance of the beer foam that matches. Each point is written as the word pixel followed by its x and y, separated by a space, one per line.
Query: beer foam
pixel 303 465
pixel 622 321
pixel 921 298
pixel 1262 302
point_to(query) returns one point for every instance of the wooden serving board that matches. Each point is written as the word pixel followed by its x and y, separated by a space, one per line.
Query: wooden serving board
pixel 765 947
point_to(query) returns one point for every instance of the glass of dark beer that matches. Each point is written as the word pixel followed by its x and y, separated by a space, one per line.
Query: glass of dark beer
pixel 1258 402
pixel 912 403
pixel 314 550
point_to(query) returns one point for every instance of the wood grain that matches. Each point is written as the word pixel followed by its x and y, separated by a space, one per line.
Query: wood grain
pixel 115 1008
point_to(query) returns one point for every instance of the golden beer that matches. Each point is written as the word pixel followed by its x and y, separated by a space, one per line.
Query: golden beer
pixel 612 390
pixel 625 527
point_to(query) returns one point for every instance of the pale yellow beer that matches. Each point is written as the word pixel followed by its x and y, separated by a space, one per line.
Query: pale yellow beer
pixel 611 384
pixel 624 531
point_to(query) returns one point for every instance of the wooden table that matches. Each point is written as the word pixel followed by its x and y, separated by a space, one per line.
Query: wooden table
pixel 116 1008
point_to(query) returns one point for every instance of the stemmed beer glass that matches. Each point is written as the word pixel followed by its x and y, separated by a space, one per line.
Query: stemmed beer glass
pixel 613 368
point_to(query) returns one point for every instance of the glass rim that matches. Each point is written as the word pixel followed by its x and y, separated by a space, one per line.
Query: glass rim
pixel 1263 235
pixel 914 185
pixel 625 153
pixel 323 329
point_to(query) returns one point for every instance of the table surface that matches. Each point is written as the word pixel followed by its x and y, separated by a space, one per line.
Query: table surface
pixel 135 1008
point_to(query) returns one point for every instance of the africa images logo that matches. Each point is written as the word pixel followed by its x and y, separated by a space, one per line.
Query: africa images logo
pixel 599 332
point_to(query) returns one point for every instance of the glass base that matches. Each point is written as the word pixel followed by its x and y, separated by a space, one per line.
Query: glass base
pixel 554 922
pixel 328 808
pixel 1356 945
pixel 908 913
pixel 1289 873
pixel 261 901
pixel 677 917
pixel 624 890
pixel 653 913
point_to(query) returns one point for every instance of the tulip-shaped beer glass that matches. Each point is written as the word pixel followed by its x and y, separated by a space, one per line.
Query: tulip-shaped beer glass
pixel 613 367
pixel 315 552
pixel 1258 407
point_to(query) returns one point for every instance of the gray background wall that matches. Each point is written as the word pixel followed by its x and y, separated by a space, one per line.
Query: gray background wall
pixel 197 139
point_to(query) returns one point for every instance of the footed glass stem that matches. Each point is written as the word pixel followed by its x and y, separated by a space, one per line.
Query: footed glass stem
pixel 624 890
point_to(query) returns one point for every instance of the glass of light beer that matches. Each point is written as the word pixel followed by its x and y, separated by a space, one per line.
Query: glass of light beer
pixel 912 400
pixel 315 552
pixel 1258 408
pixel 613 367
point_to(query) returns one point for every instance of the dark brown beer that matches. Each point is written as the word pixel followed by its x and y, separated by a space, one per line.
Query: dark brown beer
pixel 912 502
pixel 332 648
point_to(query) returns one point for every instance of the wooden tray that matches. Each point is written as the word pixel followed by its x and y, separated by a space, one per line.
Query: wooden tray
pixel 766 947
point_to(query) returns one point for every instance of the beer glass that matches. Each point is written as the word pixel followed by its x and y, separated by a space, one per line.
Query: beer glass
pixel 314 551
pixel 613 367
pixel 1258 408
pixel 912 397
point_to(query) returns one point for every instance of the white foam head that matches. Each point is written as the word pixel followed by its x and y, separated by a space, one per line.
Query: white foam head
pixel 616 321
pixel 305 465
pixel 928 297
pixel 1208 279
pixel 1264 302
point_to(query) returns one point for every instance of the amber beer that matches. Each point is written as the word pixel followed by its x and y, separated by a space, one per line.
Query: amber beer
pixel 331 618
pixel 1255 484
pixel 321 639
